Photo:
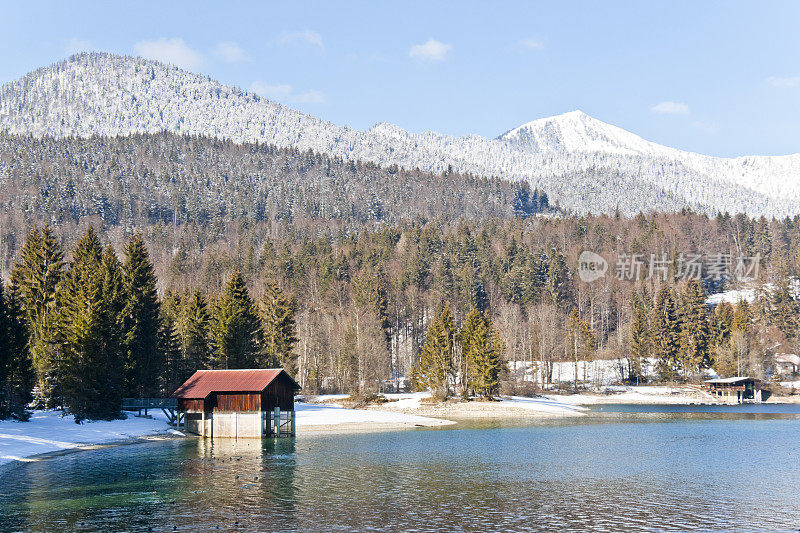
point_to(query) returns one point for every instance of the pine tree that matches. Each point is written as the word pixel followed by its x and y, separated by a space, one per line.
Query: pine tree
pixel 640 338
pixel 784 309
pixel 722 324
pixel 436 366
pixel 140 321
pixel 666 334
pixel 33 285
pixel 174 370
pixel 581 340
pixel 16 371
pixel 557 284
pixel 277 319
pixel 694 354
pixel 114 297
pixel 482 348
pixel 741 317
pixel 237 330
pixel 196 334
pixel 90 358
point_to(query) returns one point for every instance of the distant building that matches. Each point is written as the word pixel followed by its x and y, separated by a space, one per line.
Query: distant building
pixel 787 364
pixel 238 403
pixel 738 389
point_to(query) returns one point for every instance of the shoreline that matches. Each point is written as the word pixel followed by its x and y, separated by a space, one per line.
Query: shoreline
pixel 323 416
pixel 44 456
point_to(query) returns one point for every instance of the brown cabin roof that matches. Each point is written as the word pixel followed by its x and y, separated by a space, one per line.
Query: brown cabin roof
pixel 204 382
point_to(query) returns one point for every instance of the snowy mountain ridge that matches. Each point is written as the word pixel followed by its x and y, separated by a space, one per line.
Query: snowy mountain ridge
pixel 582 163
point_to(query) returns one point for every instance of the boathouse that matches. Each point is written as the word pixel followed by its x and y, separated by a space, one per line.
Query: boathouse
pixel 238 403
pixel 736 389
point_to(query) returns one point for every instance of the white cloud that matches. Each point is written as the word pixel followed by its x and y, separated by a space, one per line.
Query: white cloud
pixel 173 51
pixel 671 108
pixel 303 37
pixel 285 93
pixel 432 50
pixel 531 44
pixel 231 52
pixel 786 82
pixel 75 46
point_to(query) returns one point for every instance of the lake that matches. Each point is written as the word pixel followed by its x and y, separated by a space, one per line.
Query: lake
pixel 650 468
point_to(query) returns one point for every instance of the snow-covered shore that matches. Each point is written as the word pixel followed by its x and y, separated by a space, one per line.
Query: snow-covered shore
pixel 415 406
pixel 316 417
pixel 48 432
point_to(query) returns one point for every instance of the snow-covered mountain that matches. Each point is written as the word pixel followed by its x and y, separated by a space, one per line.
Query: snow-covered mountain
pixel 582 163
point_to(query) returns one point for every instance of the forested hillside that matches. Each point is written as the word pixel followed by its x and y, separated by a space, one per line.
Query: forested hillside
pixel 445 305
pixel 142 180
pixel 584 164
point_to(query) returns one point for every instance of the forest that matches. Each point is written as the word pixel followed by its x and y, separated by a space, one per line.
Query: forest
pixel 466 307
pixel 462 285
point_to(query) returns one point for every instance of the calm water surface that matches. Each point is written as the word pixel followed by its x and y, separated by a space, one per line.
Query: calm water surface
pixel 622 468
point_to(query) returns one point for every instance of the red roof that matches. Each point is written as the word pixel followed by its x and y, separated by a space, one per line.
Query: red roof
pixel 204 382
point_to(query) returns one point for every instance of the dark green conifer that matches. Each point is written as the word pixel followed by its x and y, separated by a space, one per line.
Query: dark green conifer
pixel 34 279
pixel 89 361
pixel 435 367
pixel 140 321
pixel 482 348
pixel 237 330
pixel 666 335
pixel 280 336
pixel 694 345
pixel 196 334
pixel 16 371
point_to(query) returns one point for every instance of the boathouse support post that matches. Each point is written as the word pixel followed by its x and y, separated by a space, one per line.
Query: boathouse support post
pixel 277 421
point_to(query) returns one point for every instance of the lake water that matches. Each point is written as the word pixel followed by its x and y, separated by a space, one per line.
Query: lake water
pixel 623 468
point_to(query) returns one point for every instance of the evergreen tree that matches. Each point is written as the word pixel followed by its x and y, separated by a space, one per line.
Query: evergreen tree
pixel 557 285
pixel 694 346
pixel 640 338
pixel 436 365
pixel 114 298
pixel 169 344
pixel 33 285
pixel 236 327
pixel 90 358
pixel 666 334
pixel 140 321
pixel 482 348
pixel 784 309
pixel 16 371
pixel 581 340
pixel 723 323
pixel 277 319
pixel 741 317
pixel 196 335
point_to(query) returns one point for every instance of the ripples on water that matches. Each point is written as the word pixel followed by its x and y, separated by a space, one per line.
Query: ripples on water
pixel 611 472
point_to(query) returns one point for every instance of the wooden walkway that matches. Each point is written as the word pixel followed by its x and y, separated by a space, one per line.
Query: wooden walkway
pixel 168 406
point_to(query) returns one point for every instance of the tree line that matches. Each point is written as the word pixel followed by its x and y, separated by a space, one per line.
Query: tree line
pixel 349 310
pixel 82 335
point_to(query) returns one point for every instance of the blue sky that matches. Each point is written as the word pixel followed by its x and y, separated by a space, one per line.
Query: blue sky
pixel 721 78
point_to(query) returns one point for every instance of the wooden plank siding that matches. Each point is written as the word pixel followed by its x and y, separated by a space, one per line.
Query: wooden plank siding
pixel 280 393
pixel 190 406
pixel 240 402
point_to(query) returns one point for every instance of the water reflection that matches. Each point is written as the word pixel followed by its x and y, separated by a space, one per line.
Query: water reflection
pixel 606 472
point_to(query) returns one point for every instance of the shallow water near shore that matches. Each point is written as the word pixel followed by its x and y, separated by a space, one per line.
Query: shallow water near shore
pixel 619 468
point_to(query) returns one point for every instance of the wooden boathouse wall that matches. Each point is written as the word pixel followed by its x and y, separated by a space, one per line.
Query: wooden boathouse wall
pixel 223 411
